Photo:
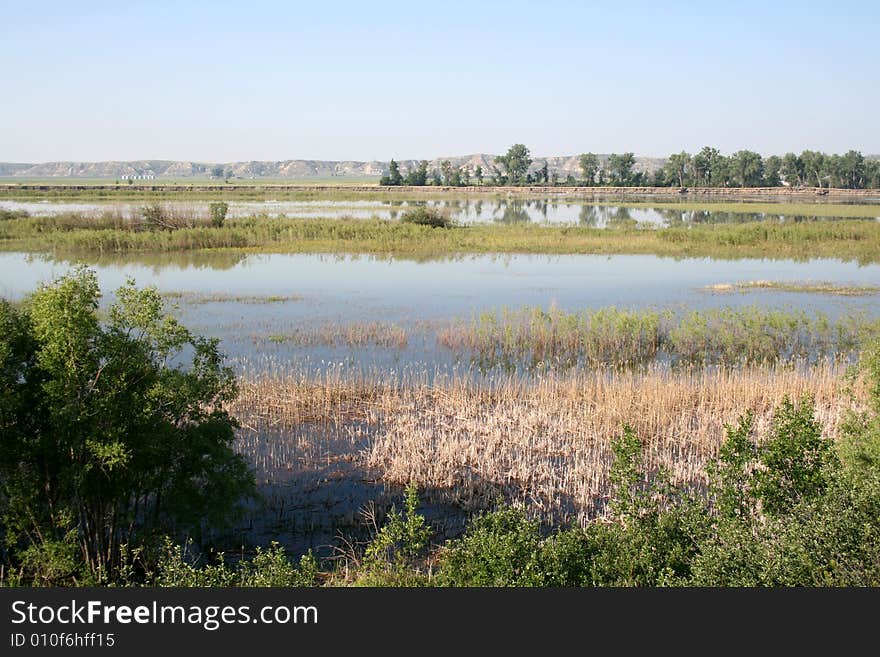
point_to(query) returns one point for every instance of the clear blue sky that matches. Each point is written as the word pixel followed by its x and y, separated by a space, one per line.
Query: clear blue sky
pixel 222 81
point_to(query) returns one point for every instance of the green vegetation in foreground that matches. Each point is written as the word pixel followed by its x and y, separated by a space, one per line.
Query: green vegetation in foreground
pixel 811 287
pixel 845 239
pixel 105 446
pixel 107 451
pixel 535 338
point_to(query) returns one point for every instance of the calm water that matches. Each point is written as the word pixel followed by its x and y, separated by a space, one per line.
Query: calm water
pixel 270 310
pixel 496 210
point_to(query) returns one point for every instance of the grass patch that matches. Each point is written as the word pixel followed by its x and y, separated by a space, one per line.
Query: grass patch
pixel 844 239
pixel 425 216
pixel 194 298
pixel 610 337
pixel 356 334
pixel 817 287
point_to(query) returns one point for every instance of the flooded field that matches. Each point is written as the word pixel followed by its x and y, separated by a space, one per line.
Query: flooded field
pixel 377 313
pixel 553 211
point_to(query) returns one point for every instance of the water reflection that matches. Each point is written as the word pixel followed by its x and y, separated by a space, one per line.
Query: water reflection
pixel 503 210
pixel 386 312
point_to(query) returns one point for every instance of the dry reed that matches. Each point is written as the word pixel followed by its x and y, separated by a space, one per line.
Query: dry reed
pixel 543 442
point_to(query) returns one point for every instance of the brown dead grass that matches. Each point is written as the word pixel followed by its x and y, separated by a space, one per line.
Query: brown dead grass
pixel 544 442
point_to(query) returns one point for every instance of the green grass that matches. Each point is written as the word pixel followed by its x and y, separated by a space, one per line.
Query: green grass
pixel 198 298
pixel 547 339
pixel 845 239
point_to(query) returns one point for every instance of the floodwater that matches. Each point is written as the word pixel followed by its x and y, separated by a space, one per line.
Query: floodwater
pixel 467 211
pixel 381 314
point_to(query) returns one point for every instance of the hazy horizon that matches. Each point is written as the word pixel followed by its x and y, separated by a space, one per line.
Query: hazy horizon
pixel 219 82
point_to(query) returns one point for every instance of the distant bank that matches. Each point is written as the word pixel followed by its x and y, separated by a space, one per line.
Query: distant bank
pixel 530 190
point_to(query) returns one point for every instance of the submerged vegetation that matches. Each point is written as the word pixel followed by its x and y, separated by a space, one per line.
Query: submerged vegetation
pixel 811 287
pixel 549 339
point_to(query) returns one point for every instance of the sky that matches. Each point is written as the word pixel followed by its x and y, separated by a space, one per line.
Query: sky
pixel 228 81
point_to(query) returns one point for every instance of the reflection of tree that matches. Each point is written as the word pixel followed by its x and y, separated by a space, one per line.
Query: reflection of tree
pixel 618 217
pixel 541 207
pixel 478 208
pixel 672 217
pixel 511 211
pixel 179 259
pixel 454 207
pixel 588 216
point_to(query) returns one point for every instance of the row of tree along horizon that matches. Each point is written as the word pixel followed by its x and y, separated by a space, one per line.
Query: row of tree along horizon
pixel 708 168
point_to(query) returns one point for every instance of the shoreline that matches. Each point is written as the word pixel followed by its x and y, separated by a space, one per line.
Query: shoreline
pixel 744 193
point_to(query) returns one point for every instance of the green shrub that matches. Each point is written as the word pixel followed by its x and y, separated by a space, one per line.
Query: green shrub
pixel 218 212
pixel 498 549
pixel 797 462
pixel 269 567
pixel 427 216
pixel 390 558
pixel 105 444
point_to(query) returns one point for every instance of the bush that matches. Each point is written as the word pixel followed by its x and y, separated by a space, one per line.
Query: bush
pixel 269 567
pixel 426 216
pixel 391 557
pixel 105 443
pixel 218 212
pixel 498 549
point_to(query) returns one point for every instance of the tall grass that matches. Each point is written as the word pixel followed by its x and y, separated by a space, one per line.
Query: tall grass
pixel 355 334
pixel 612 337
pixel 845 239
pixel 543 442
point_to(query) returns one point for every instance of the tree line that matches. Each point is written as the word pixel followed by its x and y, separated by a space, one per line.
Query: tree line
pixel 707 168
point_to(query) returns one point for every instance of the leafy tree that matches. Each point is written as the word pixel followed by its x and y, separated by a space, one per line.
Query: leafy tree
pixel 394 177
pixel 708 166
pixel 677 167
pixel 814 164
pixel 498 178
pixel 792 171
pixel 620 168
pixel 589 167
pixel 516 163
pixel 108 440
pixel 851 170
pixel 446 171
pixel 659 179
pixel 418 177
pixel 217 171
pixel 772 168
pixel 478 174
pixel 747 168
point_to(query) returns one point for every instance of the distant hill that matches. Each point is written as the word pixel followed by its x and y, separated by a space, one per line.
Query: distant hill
pixel 563 165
